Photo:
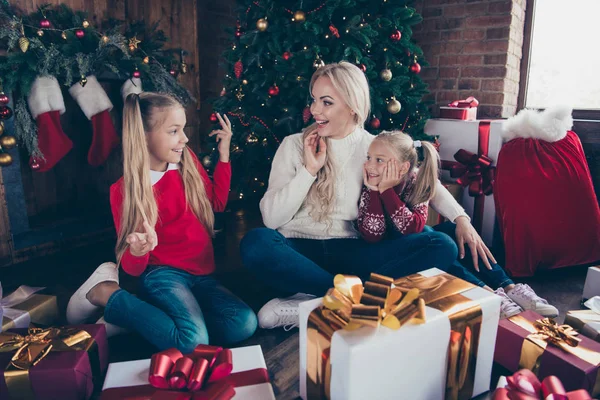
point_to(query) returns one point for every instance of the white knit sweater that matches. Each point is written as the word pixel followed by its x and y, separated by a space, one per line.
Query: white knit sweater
pixel 283 206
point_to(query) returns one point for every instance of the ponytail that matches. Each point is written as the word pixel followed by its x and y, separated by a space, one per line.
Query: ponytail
pixel 427 175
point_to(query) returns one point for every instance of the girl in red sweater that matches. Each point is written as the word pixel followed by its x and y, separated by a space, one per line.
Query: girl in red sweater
pixel 394 201
pixel 163 212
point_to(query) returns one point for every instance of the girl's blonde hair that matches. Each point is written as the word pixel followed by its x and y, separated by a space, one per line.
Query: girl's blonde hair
pixel 352 85
pixel 141 115
pixel 403 147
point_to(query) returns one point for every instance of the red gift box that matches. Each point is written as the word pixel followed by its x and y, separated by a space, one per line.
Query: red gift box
pixel 531 341
pixel 54 363
pixel 465 110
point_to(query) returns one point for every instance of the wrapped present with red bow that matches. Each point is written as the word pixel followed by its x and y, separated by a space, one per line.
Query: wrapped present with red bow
pixel 465 110
pixel 64 363
pixel 530 341
pixel 524 385
pixel 208 373
pixel 425 336
pixel 469 150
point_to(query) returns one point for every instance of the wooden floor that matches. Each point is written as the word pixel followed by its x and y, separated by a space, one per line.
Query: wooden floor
pixel 62 274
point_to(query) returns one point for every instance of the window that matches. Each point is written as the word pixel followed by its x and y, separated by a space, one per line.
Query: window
pixel 561 63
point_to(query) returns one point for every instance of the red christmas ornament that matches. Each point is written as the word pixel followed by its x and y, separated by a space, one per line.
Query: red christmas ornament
pixel 136 74
pixel 238 34
pixel 334 31
pixel 273 90
pixel 79 33
pixel 5 113
pixel 34 164
pixel 213 118
pixel 45 23
pixel 238 68
pixel 287 55
pixel 416 68
pixel 396 35
pixel 3 99
pixel 223 92
pixel 375 123
pixel 306 114
pixel 362 67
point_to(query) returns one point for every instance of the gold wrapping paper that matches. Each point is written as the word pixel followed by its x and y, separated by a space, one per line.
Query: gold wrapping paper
pixel 578 319
pixel 42 310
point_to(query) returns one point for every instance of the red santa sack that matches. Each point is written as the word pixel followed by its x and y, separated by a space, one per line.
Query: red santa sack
pixel 546 207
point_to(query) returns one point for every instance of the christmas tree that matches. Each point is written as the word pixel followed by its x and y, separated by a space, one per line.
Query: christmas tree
pixel 277 46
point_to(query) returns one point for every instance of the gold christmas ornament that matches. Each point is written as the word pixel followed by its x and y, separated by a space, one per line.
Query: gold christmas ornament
pixel 245 82
pixel 8 142
pixel 40 33
pixel 105 39
pixel 1 128
pixel 85 23
pixel 206 161
pixel 394 106
pixel 83 81
pixel 146 60
pixel 183 68
pixel 23 45
pixel 240 95
pixel 318 63
pixel 64 35
pixel 262 24
pixel 299 16
pixel 5 159
pixel 386 75
pixel 133 43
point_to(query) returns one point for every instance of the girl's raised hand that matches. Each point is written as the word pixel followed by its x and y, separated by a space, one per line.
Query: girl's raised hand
pixel 392 176
pixel 142 243
pixel 223 137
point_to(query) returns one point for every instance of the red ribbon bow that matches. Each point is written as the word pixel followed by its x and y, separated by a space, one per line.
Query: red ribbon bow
pixel 524 385
pixel 469 102
pixel 474 171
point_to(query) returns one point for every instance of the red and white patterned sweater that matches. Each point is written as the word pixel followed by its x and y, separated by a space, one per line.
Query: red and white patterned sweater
pixel 378 212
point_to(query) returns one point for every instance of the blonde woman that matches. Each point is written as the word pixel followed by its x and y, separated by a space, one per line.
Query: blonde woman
pixel 163 212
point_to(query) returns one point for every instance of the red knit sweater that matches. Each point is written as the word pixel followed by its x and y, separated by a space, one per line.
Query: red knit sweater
pixel 380 212
pixel 183 242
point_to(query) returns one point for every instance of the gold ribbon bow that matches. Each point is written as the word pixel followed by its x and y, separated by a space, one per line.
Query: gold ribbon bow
pixel 350 305
pixel 33 347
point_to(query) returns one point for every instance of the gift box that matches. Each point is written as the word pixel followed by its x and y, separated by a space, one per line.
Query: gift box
pixel 469 150
pixel 591 287
pixel 465 110
pixel 524 385
pixel 130 380
pixel 55 363
pixel 433 217
pixel 586 322
pixel 529 341
pixel 448 356
pixel 24 306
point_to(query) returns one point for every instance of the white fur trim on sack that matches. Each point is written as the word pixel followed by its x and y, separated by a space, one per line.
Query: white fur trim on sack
pixel 45 95
pixel 550 125
pixel 91 98
pixel 131 85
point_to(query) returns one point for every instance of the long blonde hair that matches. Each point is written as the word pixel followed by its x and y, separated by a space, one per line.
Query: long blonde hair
pixel 140 116
pixel 352 85
pixel 403 146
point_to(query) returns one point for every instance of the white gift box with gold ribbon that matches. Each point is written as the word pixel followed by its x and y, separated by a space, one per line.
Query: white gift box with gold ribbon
pixel 448 356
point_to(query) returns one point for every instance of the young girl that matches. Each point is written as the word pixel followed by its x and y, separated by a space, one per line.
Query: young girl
pixel 394 201
pixel 163 212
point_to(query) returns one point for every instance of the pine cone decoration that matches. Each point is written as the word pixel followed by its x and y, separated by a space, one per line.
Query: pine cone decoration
pixel 238 68
pixel 23 43
pixel 306 114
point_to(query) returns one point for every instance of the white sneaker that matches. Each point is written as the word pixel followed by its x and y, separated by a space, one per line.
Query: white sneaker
pixel 79 309
pixel 524 296
pixel 508 307
pixel 112 329
pixel 282 312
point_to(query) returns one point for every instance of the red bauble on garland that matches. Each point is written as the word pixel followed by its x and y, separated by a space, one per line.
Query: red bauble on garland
pixel 213 118
pixel 238 68
pixel 238 34
pixel 287 55
pixel 5 113
pixel 136 74
pixel 34 164
pixel 3 99
pixel 362 67
pixel 274 90
pixel 375 123
pixel 416 68
pixel 79 33
pixel 44 23
pixel 306 114
pixel 396 35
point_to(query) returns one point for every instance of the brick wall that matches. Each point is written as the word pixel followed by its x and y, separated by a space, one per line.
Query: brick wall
pixel 474 48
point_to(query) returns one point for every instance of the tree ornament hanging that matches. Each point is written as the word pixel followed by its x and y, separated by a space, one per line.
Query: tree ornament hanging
pixel 318 63
pixel 299 16
pixel 245 82
pixel 5 159
pixel 8 142
pixel 306 114
pixel 146 60
pixel 375 123
pixel 396 35
pixel 133 43
pixel 183 68
pixel 85 23
pixel 206 161
pixel 238 34
pixel 286 55
pixel 40 33
pixel 173 72
pixel 34 164
pixel 394 106
pixel 274 90
pixel 362 67
pixel 83 81
pixel 79 33
pixel 1 128
pixel 3 99
pixel 105 39
pixel 334 31
pixel 240 94
pixel 416 67
pixel 262 24
pixel 213 118
pixel 5 113
pixel 223 92
pixel 63 35
pixel 238 68
pixel 44 23
pixel 136 73
pixel 23 44
pixel 385 75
